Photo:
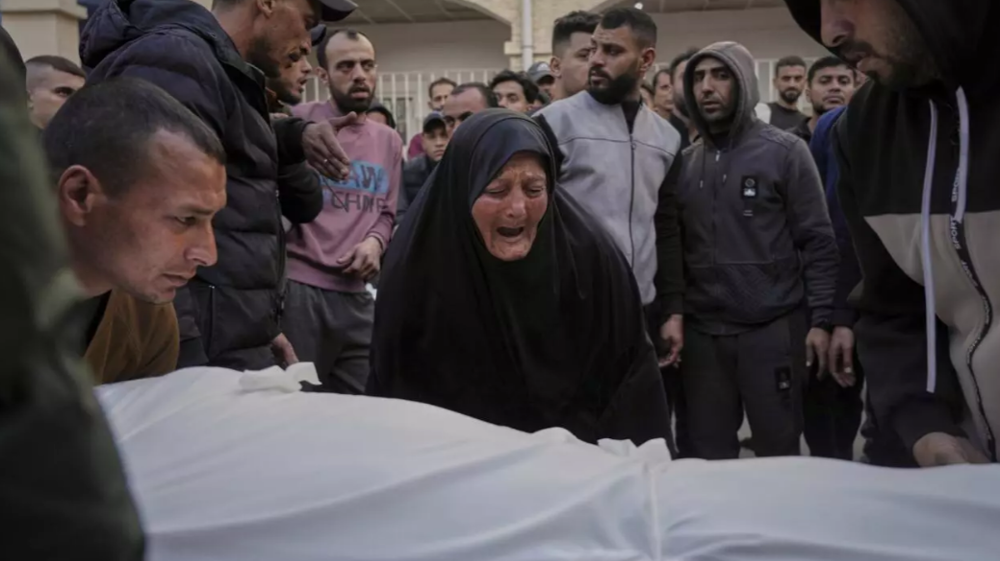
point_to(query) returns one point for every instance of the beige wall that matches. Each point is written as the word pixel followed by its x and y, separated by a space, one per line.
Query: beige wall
pixel 767 32
pixel 438 46
pixel 44 27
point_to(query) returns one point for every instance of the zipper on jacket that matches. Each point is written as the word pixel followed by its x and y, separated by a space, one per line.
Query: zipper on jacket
pixel 282 258
pixel 715 203
pixel 961 248
pixel 631 203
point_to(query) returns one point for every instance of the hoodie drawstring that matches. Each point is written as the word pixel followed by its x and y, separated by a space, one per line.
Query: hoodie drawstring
pixel 960 196
pixel 925 253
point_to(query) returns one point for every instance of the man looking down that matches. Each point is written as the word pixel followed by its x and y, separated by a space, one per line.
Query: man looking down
pixel 137 201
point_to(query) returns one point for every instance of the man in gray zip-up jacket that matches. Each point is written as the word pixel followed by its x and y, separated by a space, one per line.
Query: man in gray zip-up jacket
pixel 621 162
pixel 761 264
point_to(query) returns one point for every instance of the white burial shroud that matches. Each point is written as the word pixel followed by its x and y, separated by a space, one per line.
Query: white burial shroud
pixel 227 466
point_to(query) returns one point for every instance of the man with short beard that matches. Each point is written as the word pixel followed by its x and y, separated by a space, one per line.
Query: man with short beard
pixel 830 85
pixel 215 63
pixel 621 162
pixel 329 310
pixel 790 83
pixel 918 167
pixel 761 265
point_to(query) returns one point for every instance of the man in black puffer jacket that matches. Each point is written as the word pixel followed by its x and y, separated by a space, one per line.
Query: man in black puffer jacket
pixel 215 64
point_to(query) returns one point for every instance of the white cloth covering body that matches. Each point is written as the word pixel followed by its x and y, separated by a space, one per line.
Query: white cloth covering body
pixel 224 468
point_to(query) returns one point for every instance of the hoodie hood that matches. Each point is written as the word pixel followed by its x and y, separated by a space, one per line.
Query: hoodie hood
pixel 956 33
pixel 740 62
pixel 118 22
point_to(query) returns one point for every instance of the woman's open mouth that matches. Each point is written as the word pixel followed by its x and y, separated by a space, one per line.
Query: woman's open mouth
pixel 510 232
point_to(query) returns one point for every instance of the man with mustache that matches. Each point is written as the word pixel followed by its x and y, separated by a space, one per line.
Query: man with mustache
pixel 830 85
pixel 790 83
pixel 621 162
pixel 917 150
pixel 329 310
pixel 760 261
pixel 137 201
pixel 833 403
pixel 465 101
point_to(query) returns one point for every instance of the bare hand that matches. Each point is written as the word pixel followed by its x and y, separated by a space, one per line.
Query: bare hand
pixel 940 449
pixel 364 260
pixel 323 151
pixel 672 334
pixel 817 349
pixel 842 357
pixel 283 351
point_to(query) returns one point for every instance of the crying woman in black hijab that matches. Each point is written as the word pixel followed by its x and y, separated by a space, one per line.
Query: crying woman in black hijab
pixel 503 300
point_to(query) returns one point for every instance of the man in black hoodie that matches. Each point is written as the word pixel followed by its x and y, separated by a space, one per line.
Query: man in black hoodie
pixel 917 152
pixel 760 264
pixel 215 64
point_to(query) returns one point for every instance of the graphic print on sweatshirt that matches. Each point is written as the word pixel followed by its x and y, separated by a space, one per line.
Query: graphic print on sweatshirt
pixel 364 190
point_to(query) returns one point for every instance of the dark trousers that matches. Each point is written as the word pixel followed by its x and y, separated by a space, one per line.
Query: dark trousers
pixel 334 331
pixel 760 372
pixel 833 415
pixel 672 386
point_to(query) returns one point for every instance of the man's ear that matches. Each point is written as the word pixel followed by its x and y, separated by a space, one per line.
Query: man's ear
pixel 78 192
pixel 648 59
pixel 555 66
pixel 266 7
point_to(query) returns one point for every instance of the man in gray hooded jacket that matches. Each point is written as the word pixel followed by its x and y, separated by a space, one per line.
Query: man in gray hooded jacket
pixel 760 260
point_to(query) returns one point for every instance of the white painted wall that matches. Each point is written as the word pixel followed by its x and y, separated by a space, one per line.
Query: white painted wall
pixel 438 46
pixel 768 33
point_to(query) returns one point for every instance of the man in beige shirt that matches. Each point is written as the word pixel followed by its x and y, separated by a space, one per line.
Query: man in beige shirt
pixel 136 197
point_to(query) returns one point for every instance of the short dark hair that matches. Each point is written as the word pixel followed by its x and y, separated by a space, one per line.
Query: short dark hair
pixel 107 127
pixel 788 62
pixel 57 63
pixel 440 82
pixel 573 22
pixel 530 88
pixel 643 26
pixel 681 59
pixel 824 63
pixel 483 89
pixel 661 72
pixel 321 58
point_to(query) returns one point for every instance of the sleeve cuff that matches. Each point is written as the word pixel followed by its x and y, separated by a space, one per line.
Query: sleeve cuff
pixel 844 317
pixel 820 317
pixel 290 148
pixel 916 419
pixel 377 237
pixel 671 305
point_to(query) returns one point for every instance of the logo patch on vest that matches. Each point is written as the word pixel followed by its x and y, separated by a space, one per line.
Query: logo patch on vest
pixel 749 187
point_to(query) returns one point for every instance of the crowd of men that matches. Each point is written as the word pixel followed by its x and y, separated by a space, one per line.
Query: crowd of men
pixel 216 219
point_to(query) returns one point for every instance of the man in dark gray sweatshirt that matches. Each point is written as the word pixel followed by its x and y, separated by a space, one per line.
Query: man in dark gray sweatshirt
pixel 760 260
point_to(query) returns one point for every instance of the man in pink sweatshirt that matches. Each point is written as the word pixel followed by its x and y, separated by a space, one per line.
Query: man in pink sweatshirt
pixel 328 310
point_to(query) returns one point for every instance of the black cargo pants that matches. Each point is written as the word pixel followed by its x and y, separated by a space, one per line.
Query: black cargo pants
pixel 761 372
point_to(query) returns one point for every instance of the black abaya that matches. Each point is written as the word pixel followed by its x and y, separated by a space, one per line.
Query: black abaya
pixel 556 339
